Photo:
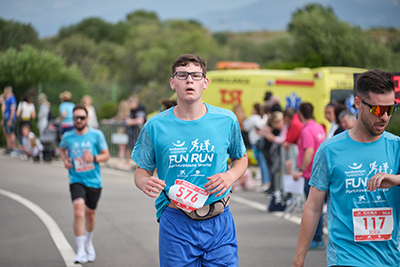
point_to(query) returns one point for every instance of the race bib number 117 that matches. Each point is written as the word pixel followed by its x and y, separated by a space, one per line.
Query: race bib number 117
pixel 373 224
pixel 83 166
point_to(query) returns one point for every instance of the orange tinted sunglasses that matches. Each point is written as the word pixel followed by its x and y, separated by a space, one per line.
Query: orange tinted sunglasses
pixel 379 110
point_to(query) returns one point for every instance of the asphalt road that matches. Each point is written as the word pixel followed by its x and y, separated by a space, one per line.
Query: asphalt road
pixel 36 222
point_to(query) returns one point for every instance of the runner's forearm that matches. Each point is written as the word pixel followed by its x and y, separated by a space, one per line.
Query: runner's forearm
pixel 103 156
pixel 63 155
pixel 238 168
pixel 309 222
pixel 141 177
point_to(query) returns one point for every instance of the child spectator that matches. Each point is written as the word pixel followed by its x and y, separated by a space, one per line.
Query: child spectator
pixel 30 145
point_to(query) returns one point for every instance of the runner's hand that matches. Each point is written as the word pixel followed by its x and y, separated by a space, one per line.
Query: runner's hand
pixel 382 180
pixel 220 181
pixel 67 163
pixel 153 186
pixel 87 156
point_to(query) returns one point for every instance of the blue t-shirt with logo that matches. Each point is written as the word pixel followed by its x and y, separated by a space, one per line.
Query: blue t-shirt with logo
pixel 188 150
pixel 343 166
pixel 10 104
pixel 84 173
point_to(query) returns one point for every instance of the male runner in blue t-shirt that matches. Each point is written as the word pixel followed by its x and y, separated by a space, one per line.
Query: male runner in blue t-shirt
pixel 363 223
pixel 9 109
pixel 189 145
pixel 86 148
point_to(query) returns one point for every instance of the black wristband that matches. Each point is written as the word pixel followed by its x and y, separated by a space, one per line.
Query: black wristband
pixel 94 159
pixel 301 170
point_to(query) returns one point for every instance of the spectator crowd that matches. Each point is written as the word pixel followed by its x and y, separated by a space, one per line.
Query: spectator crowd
pixel 21 120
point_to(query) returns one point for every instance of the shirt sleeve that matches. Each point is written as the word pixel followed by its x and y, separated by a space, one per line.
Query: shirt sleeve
pixel 102 142
pixel 63 143
pixel 236 148
pixel 143 153
pixel 320 172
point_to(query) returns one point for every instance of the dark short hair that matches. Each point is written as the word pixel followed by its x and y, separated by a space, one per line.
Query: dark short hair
pixel 307 110
pixel 267 96
pixel 377 81
pixel 79 106
pixel 186 59
pixel 26 98
pixel 289 112
pixel 338 109
pixel 330 104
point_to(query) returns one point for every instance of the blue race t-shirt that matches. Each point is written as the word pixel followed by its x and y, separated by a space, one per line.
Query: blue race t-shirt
pixel 68 107
pixel 9 104
pixel 188 150
pixel 356 215
pixel 84 173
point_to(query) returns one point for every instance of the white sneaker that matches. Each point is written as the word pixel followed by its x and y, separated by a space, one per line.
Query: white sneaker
pixel 81 258
pixel 91 254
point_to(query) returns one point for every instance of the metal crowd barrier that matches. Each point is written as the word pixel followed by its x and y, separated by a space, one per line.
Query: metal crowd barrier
pixel 297 200
pixel 114 135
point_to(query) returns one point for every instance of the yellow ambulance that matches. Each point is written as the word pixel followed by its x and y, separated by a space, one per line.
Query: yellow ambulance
pixel 319 86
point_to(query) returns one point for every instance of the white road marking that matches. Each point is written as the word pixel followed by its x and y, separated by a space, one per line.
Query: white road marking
pixel 262 207
pixel 56 234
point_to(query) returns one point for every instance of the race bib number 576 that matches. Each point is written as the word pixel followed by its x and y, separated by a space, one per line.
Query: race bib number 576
pixel 187 196
pixel 373 224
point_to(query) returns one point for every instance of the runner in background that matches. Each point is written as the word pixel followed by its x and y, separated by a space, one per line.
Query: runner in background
pixel 65 112
pixel 363 219
pixel 87 147
pixel 189 145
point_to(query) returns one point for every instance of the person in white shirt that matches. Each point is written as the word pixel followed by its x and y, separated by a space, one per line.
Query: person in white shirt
pixel 330 116
pixel 256 121
pixel 25 114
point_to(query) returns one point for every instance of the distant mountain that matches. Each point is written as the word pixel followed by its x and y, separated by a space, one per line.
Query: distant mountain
pixel 276 15
pixel 368 13
pixel 48 16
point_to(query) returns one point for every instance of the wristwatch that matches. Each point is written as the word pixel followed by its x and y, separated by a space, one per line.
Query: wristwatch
pixel 94 158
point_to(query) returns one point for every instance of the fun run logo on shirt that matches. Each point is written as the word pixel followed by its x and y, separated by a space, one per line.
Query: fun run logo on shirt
pixel 78 149
pixel 199 154
pixel 357 178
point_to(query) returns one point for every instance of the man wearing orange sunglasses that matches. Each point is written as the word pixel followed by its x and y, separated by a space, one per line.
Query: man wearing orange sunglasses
pixel 357 167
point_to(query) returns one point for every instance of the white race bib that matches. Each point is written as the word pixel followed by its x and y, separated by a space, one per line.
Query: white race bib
pixel 373 224
pixel 83 166
pixel 187 196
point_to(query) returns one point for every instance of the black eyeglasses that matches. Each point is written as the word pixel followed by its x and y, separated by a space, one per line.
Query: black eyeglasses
pixel 76 118
pixel 379 110
pixel 183 75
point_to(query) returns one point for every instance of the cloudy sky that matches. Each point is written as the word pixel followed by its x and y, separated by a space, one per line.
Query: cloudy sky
pixel 48 16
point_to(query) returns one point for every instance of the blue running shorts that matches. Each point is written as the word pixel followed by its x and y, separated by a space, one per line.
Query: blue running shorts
pixel 187 242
